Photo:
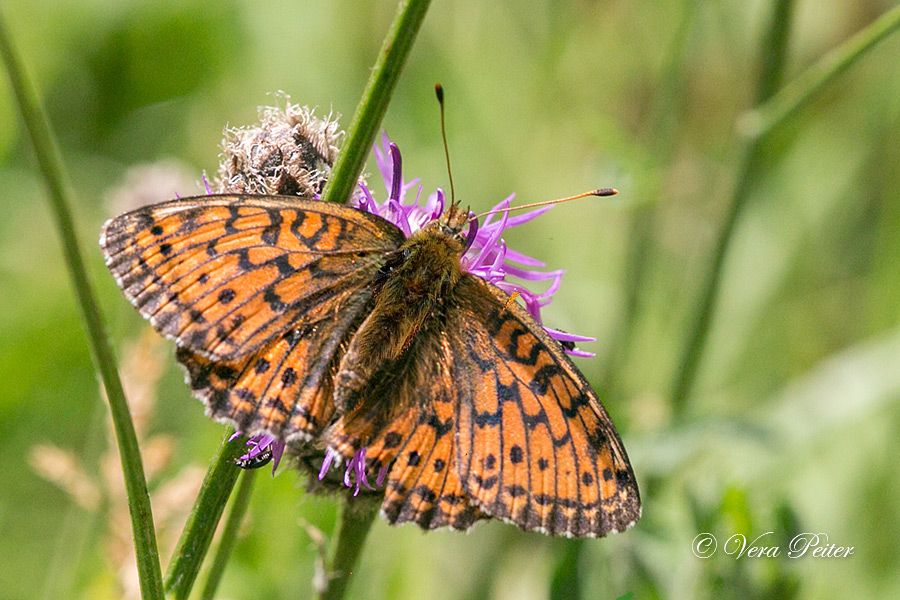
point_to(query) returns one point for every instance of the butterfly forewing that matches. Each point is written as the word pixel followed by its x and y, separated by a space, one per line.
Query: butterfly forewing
pixel 535 446
pixel 226 275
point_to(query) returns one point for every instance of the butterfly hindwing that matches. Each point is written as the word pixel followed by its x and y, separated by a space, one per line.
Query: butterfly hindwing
pixel 535 446
pixel 423 486
pixel 285 389
pixel 418 446
pixel 405 419
pixel 226 275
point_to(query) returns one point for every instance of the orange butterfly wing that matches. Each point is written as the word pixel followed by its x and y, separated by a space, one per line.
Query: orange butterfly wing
pixel 409 426
pixel 422 486
pixel 263 294
pixel 226 275
pixel 535 447
pixel 285 389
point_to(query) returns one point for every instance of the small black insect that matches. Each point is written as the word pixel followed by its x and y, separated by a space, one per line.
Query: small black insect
pixel 255 462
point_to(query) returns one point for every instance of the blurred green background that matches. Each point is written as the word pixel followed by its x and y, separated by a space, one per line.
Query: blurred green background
pixel 793 421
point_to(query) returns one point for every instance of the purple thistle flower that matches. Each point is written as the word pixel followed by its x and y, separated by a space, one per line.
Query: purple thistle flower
pixel 486 253
pixel 330 456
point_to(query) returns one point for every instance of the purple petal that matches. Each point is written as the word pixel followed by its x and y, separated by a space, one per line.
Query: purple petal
pixel 557 280
pixel 487 239
pixel 528 216
pixel 357 465
pixel 565 336
pixel 399 216
pixel 277 453
pixel 330 455
pixel 381 159
pixel 500 205
pixel 531 275
pixel 382 473
pixel 522 259
pixel 577 352
pixel 396 176
pixel 436 209
pixel 473 231
pixel 408 186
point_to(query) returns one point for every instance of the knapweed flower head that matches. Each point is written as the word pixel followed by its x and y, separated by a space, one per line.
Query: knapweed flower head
pixel 487 255
pixel 290 151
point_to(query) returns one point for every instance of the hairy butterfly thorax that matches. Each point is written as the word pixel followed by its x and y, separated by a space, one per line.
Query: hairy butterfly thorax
pixel 408 289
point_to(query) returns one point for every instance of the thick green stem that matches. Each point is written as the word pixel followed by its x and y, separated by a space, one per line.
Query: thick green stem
pixel 762 119
pixel 772 58
pixel 50 163
pixel 356 514
pixel 773 109
pixel 229 534
pixel 354 522
pixel 201 525
pixel 565 583
pixel 375 99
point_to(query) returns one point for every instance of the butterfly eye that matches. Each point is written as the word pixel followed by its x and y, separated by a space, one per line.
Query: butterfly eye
pixel 406 253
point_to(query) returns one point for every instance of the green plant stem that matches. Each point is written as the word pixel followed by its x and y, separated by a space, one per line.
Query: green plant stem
pixel 773 109
pixel 50 163
pixel 772 59
pixel 229 534
pixel 373 105
pixel 201 525
pixel 564 581
pixel 353 524
pixel 356 515
pixel 765 117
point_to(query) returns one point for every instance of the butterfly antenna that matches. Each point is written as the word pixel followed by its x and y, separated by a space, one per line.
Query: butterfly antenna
pixel 600 192
pixel 439 92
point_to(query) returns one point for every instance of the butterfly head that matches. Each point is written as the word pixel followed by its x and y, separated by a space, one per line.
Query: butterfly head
pixel 429 260
pixel 457 223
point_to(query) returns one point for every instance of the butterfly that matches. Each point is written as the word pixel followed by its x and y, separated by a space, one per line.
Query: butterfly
pixel 316 322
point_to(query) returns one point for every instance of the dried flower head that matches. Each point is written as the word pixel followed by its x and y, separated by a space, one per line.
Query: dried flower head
pixel 290 151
